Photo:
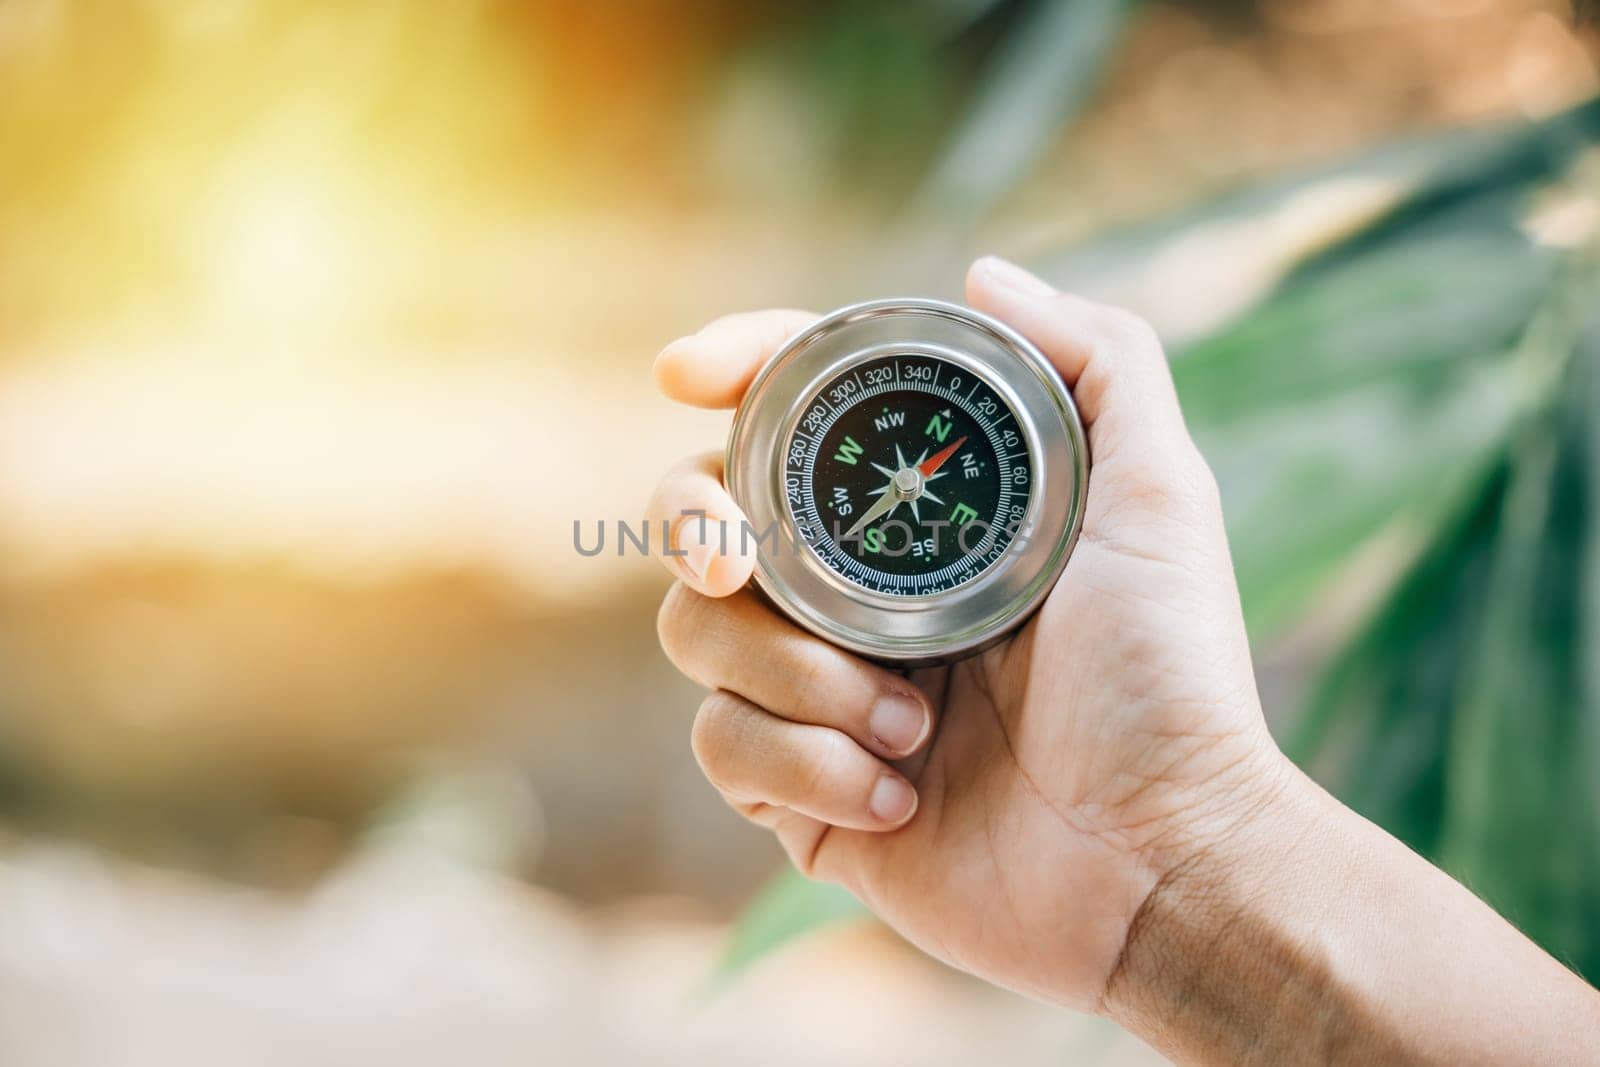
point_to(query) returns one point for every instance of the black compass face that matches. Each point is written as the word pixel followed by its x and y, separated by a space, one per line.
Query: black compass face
pixel 908 475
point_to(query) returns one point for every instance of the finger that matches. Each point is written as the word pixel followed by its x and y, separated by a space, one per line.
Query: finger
pixel 800 835
pixel 802 838
pixel 741 645
pixel 704 542
pixel 1144 457
pixel 1111 359
pixel 750 755
pixel 713 368
pixel 934 684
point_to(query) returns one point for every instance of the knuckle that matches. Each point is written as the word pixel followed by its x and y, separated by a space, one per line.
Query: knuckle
pixel 1130 332
pixel 1155 486
pixel 810 667
pixel 1193 483
pixel 671 628
pixel 1175 486
pixel 709 737
pixel 1207 490
pixel 757 811
pixel 695 465
pixel 778 326
pixel 829 766
pixel 686 621
pixel 803 858
pixel 660 505
pixel 804 853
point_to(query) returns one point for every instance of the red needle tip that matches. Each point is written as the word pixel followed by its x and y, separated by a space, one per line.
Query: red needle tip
pixel 935 461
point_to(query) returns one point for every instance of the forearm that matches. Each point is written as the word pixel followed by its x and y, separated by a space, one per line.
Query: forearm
pixel 1309 935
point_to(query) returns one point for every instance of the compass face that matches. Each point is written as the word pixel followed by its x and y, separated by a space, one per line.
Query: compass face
pixel 908 475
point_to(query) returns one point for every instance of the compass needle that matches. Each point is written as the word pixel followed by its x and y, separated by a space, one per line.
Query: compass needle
pixel 928 468
pixel 885 504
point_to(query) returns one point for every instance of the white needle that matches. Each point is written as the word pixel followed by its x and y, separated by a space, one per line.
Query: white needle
pixel 885 504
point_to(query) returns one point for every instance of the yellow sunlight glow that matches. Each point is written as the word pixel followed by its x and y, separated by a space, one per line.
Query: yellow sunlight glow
pixel 279 253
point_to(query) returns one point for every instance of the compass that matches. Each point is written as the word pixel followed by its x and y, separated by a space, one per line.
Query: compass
pixel 913 475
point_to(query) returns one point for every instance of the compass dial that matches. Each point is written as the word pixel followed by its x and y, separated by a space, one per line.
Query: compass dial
pixel 908 475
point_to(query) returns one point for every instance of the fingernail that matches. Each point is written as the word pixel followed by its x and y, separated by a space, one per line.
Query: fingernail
pixel 893 800
pixel 696 537
pixel 898 722
pixel 1010 276
pixel 658 369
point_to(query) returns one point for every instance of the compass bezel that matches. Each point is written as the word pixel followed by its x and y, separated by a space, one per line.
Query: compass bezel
pixel 928 627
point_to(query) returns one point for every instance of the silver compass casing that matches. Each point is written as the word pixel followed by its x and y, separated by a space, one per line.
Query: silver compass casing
pixel 935 627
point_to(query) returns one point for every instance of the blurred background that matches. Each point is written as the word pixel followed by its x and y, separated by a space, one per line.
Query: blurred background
pixel 321 323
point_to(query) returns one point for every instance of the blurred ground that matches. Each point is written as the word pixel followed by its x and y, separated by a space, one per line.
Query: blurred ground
pixel 286 519
pixel 405 958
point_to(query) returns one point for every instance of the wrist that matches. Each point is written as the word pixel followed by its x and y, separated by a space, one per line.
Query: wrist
pixel 1306 934
pixel 1224 954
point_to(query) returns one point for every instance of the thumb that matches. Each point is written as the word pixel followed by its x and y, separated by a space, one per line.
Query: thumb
pixel 1113 362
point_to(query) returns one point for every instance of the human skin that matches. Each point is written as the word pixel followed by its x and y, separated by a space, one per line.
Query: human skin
pixel 1093 812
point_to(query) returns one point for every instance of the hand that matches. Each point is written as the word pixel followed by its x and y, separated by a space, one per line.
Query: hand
pixel 1012 813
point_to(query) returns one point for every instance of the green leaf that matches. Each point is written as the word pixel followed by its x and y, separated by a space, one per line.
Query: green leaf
pixel 1408 312
pixel 1370 388
pixel 1430 172
pixel 1376 724
pixel 1584 754
pixel 1522 826
pixel 1375 385
pixel 1588 391
pixel 959 16
pixel 1355 679
pixel 1033 87
pixel 1459 718
pixel 787 907
pixel 1303 497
